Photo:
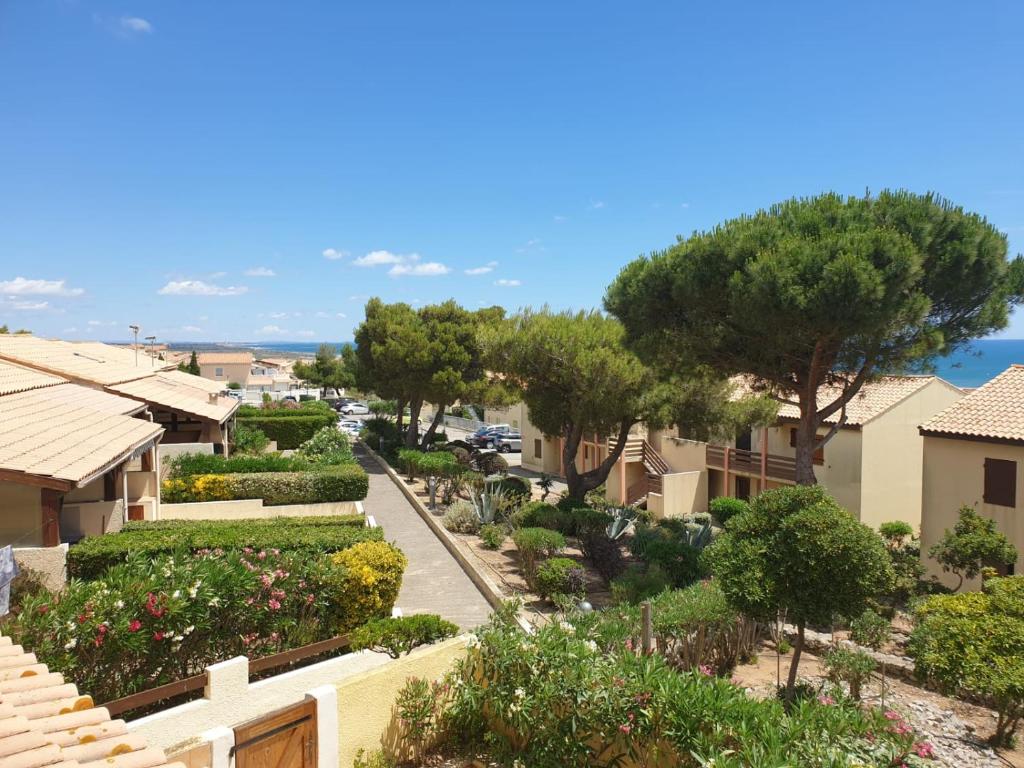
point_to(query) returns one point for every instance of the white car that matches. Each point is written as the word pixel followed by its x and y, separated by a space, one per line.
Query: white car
pixel 351 428
pixel 355 409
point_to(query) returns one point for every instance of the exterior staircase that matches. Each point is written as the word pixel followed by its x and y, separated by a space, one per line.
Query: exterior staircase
pixel 655 467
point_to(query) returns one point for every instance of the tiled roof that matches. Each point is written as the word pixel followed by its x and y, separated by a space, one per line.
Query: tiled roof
pixel 873 399
pixel 260 381
pixel 15 378
pixel 89 362
pixel 123 356
pixel 174 393
pixel 215 358
pixel 207 385
pixel 994 410
pixel 46 723
pixel 69 432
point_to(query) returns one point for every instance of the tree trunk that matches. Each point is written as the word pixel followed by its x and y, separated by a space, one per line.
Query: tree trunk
pixel 806 436
pixel 581 483
pixel 399 415
pixel 798 648
pixel 428 436
pixel 412 434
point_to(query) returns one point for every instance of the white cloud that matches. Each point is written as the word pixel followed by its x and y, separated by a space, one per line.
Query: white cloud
pixel 217 275
pixel 278 315
pixel 340 314
pixel 21 286
pixel 31 306
pixel 684 205
pixel 305 334
pixel 136 25
pixel 488 267
pixel 378 258
pixel 101 323
pixel 191 328
pixel 270 329
pixel 358 297
pixel 559 218
pixel 323 314
pixel 334 254
pixel 508 283
pixel 597 204
pixel 203 318
pixel 199 288
pixel 426 269
pixel 72 329
pixel 260 272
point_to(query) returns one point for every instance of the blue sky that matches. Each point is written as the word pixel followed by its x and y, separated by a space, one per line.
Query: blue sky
pixel 255 170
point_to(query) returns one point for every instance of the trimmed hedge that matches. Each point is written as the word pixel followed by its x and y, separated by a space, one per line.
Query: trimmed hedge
pixel 289 429
pixel 92 556
pixel 188 464
pixel 343 483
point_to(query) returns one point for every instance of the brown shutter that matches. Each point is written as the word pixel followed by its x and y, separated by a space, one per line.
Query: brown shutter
pixel 1000 482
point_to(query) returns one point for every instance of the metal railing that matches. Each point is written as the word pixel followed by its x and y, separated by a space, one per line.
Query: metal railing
pixel 469 425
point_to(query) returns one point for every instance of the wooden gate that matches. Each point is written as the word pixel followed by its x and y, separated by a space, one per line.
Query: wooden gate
pixel 282 739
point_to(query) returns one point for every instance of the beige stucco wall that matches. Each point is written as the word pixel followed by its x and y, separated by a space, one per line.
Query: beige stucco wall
pixel 623 476
pixel 48 563
pixel 892 460
pixel 682 493
pixel 366 701
pixel 237 372
pixel 21 515
pixel 841 471
pixel 90 518
pixel 954 476
pixel 681 454
pixel 513 415
pixel 242 509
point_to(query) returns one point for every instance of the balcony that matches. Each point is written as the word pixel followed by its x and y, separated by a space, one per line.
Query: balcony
pixel 741 462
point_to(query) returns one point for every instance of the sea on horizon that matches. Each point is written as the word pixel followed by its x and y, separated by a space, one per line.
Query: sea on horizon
pixel 967 368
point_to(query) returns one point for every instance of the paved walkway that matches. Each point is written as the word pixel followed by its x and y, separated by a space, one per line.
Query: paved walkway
pixel 434 582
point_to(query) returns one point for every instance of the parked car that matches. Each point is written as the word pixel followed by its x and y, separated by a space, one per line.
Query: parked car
pixel 235 393
pixel 355 409
pixel 289 399
pixel 350 428
pixel 509 442
pixel 341 402
pixel 484 437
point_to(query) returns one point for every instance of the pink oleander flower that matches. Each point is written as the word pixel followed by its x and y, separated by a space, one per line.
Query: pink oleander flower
pixel 44 608
pixel 892 715
pixel 273 604
pixel 625 728
pixel 135 625
pixel 247 550
pixel 705 670
pixel 924 749
pixel 826 700
pixel 266 580
pixel 261 555
pixel 158 635
pixel 902 729
pixel 310 599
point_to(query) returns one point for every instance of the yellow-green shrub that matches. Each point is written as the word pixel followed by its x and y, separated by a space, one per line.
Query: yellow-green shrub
pixel 369 587
pixel 197 488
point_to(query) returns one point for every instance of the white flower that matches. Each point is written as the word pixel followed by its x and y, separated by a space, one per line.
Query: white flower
pixel 178 638
pixel 520 693
pixel 214 602
pixel 119 604
pixel 70 644
pixel 591 645
pixel 193 592
pixel 189 629
pixel 176 594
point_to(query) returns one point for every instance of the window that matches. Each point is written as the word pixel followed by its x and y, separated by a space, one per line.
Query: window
pixel 538 449
pixel 819 455
pixel 1000 482
pixel 219 373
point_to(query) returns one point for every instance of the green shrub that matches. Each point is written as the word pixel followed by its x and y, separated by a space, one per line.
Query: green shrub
pixel 373 575
pixel 973 643
pixel 639 584
pixel 870 630
pixel 310 535
pixel 491 464
pixel 460 517
pixel 398 636
pixel 724 508
pixel 584 519
pixel 416 463
pixel 973 544
pixel 249 441
pixel 154 621
pixel 286 410
pixel 668 546
pixel 896 532
pixel 517 488
pixel 535 544
pixel 189 464
pixel 493 535
pixel 697 628
pixel 537 514
pixel 604 553
pixel 561 576
pixel 341 483
pixel 852 667
pixel 289 429
pixel 328 446
pixel 562 697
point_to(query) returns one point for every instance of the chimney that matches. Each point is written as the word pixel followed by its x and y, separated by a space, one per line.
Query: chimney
pixel 213 398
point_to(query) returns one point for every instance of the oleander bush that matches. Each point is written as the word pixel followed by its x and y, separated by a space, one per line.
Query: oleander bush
pixel 347 482
pixel 92 556
pixel 562 697
pixel 249 441
pixel 150 621
pixel 329 446
pixel 398 636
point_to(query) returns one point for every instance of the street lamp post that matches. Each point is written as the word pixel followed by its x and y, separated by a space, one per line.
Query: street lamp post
pixel 135 330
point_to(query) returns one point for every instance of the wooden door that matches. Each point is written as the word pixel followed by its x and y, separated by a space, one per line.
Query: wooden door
pixel 282 739
pixel 136 512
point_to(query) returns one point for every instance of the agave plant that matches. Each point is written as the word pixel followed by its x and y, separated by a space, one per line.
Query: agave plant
pixel 623 520
pixel 698 535
pixel 488 503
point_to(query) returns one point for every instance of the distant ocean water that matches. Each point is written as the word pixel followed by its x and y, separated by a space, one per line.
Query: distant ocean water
pixel 985 359
pixel 969 368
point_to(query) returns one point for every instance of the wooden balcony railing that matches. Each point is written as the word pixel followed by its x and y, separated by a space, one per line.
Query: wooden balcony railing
pixel 776 467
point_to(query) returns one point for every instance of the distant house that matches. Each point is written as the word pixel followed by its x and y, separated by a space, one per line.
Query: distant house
pixel 188 407
pixel 74 461
pixel 226 367
pixel 974 456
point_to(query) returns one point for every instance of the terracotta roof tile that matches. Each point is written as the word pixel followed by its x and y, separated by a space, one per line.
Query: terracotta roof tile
pixel 874 399
pixel 17 378
pixel 91 362
pixel 226 358
pixel 47 723
pixel 179 394
pixel 69 432
pixel 994 410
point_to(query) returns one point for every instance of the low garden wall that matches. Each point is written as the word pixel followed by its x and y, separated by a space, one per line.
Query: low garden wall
pixel 355 696
pixel 169 450
pixel 254 509
pixel 50 563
